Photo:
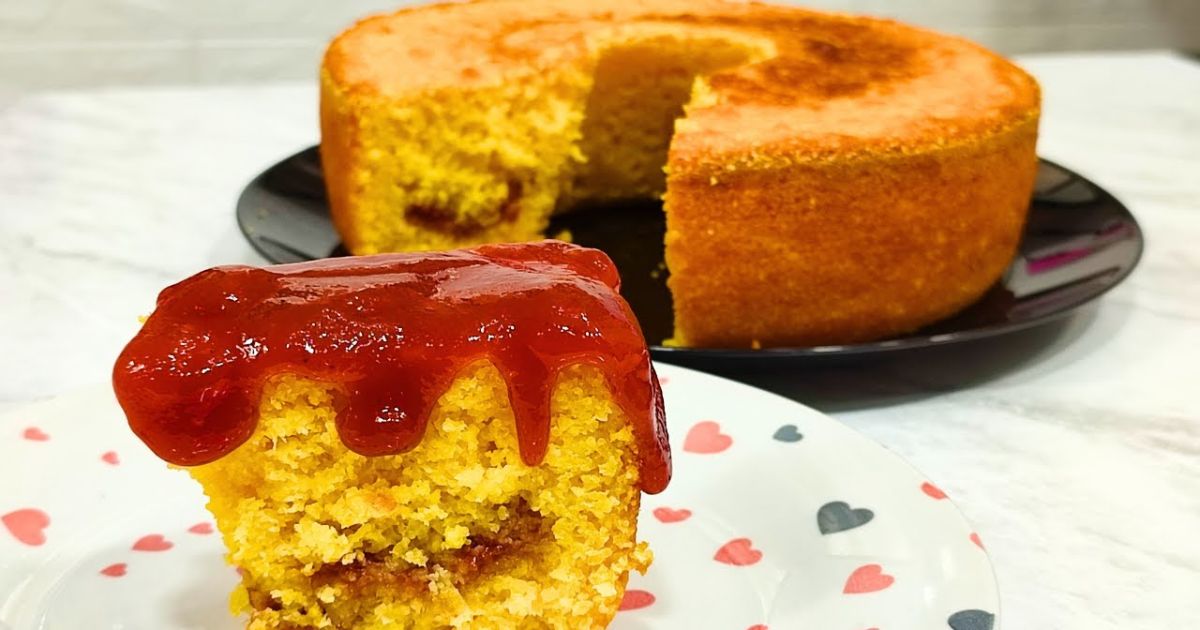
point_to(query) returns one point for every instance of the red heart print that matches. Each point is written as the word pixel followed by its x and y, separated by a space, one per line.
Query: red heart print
pixel 739 552
pixel 114 570
pixel 757 626
pixel 111 458
pixel 933 491
pixel 635 599
pixel 153 542
pixel 35 434
pixel 867 579
pixel 27 525
pixel 668 515
pixel 706 437
pixel 975 539
pixel 201 528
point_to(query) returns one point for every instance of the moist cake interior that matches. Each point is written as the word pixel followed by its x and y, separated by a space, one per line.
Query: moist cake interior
pixel 639 89
pixel 594 130
pixel 457 532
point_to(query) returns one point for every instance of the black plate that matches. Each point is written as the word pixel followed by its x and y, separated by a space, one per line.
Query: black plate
pixel 1079 242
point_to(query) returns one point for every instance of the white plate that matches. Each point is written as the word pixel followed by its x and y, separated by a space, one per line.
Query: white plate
pixel 777 517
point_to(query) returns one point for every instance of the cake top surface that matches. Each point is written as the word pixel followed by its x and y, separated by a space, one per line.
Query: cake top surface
pixel 393 331
pixel 816 85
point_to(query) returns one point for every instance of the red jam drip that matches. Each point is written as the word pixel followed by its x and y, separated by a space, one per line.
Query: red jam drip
pixel 393 331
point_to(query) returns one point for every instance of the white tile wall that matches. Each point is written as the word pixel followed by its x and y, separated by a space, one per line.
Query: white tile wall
pixel 80 43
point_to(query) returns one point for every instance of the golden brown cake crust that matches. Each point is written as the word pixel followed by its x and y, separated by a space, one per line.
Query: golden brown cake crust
pixel 836 85
pixel 860 178
pixel 912 240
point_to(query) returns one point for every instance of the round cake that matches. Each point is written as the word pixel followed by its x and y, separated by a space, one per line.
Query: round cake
pixel 826 178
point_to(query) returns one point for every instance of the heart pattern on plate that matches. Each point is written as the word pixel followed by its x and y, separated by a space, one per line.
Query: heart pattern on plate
pixel 110 458
pixel 27 525
pixel 635 599
pixel 705 437
pixel 971 620
pixel 739 552
pixel 201 528
pixel 868 578
pixel 152 542
pixel 35 434
pixel 114 570
pixel 668 515
pixel 933 491
pixel 788 433
pixel 838 516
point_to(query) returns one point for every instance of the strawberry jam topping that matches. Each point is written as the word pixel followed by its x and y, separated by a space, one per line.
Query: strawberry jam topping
pixel 392 331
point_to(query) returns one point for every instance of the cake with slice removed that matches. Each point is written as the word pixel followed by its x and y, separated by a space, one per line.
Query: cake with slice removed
pixel 828 178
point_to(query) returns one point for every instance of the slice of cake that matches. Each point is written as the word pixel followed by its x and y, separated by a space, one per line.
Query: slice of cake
pixel 418 440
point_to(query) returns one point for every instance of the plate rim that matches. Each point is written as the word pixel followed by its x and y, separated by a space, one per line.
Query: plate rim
pixel 850 433
pixel 707 356
pixel 989 589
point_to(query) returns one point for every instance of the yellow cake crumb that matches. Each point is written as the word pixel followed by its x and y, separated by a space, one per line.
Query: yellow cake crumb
pixel 493 164
pixel 457 533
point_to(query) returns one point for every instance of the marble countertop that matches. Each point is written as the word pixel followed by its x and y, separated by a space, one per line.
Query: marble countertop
pixel 1074 448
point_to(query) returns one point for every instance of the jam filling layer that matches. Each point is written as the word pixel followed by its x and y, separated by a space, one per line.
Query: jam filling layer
pixel 393 331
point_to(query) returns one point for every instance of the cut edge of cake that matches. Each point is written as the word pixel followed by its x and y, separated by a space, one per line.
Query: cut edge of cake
pixel 457 531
